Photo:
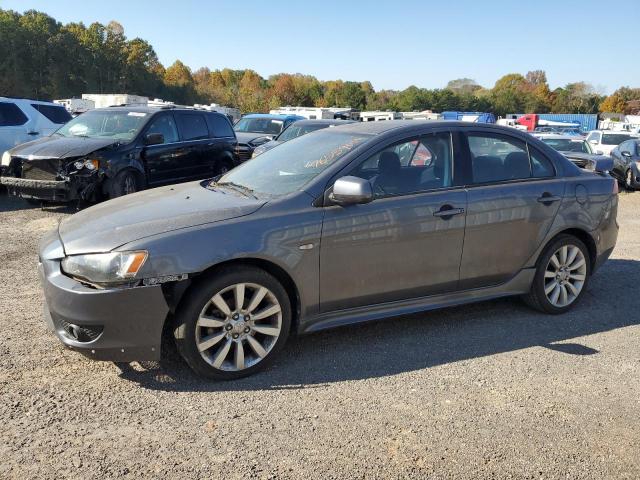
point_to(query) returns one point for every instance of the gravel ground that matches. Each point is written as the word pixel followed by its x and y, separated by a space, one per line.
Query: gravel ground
pixel 492 390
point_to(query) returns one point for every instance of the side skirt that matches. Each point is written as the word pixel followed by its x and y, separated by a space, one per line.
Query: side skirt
pixel 518 285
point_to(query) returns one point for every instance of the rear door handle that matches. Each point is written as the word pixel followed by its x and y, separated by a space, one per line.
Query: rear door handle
pixel 548 199
pixel 33 133
pixel 447 212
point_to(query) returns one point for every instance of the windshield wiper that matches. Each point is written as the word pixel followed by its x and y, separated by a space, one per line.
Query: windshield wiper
pixel 237 187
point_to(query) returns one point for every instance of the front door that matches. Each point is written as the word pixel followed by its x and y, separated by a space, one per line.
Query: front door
pixel 408 241
pixel 164 162
pixel 513 197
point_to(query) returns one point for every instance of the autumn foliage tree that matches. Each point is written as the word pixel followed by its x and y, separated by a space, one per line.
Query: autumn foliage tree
pixel 42 58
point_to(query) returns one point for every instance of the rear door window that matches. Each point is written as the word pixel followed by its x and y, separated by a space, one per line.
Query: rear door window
pixel 541 166
pixel 219 125
pixel 11 115
pixel 193 126
pixel 498 158
pixel 55 114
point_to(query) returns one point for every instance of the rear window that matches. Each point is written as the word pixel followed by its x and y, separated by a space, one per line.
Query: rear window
pixel 11 115
pixel 220 125
pixel 55 114
pixel 192 126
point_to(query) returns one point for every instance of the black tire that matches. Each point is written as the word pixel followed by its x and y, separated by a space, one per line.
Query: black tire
pixel 124 183
pixel 223 167
pixel 628 182
pixel 200 295
pixel 536 298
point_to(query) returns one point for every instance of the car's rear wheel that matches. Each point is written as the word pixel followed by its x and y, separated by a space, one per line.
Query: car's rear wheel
pixel 233 323
pixel 561 276
pixel 124 183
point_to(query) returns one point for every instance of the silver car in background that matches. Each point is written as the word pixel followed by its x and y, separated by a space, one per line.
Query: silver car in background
pixel 344 225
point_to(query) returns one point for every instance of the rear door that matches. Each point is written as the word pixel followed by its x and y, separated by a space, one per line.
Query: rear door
pixel 407 242
pixel 195 141
pixel 220 148
pixel 513 197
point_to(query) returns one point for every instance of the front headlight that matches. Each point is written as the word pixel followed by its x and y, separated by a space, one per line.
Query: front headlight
pixel 258 151
pixel 6 159
pixel 90 164
pixel 105 268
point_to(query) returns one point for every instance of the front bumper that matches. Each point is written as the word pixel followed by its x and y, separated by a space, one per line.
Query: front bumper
pixel 53 190
pixel 120 325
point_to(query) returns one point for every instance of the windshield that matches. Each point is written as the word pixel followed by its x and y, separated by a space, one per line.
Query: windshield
pixel 293 164
pixel 118 125
pixel 568 145
pixel 295 131
pixel 614 138
pixel 267 126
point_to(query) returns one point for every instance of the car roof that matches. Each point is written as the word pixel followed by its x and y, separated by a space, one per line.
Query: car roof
pixel 558 136
pixel 147 109
pixel 377 128
pixel 324 121
pixel 29 100
pixel 274 116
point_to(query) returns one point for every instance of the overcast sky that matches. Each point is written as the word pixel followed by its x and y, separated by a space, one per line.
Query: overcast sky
pixel 393 44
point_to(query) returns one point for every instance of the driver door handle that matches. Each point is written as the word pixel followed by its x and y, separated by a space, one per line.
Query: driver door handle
pixel 548 199
pixel 448 212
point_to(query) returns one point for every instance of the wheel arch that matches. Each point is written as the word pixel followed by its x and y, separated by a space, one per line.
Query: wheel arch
pixel 582 235
pixel 175 294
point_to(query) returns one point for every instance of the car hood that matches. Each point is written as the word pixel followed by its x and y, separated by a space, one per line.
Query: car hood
pixel 590 161
pixel 246 137
pixel 61 147
pixel 108 225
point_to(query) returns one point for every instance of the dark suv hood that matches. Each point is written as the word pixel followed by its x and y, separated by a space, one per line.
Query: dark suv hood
pixel 61 147
pixel 246 137
pixel 110 224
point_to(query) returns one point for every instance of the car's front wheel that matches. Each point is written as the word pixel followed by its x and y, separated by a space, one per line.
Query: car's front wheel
pixel 628 180
pixel 233 323
pixel 561 276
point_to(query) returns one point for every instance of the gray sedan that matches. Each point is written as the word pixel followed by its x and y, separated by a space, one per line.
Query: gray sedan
pixel 344 225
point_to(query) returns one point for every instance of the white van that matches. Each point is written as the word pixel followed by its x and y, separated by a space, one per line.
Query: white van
pixel 23 120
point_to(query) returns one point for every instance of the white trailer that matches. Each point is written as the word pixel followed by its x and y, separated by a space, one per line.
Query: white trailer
pixel 102 100
pixel 378 116
pixel 310 113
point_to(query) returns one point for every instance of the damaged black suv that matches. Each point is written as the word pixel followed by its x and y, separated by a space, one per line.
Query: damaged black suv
pixel 110 152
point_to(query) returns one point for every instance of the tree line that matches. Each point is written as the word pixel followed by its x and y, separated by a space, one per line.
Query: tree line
pixel 42 58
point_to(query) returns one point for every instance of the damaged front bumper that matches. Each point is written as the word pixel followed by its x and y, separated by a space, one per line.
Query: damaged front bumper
pixel 117 324
pixel 75 188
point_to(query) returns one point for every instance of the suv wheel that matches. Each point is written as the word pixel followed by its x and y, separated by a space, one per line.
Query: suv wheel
pixel 232 324
pixel 124 183
pixel 561 276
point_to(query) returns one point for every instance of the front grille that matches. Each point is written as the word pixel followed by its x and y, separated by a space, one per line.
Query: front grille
pixel 46 169
pixel 244 152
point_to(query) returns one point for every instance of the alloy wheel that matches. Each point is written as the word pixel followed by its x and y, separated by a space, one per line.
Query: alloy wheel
pixel 239 326
pixel 565 275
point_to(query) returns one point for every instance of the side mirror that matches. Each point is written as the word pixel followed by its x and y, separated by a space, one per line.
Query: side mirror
pixel 153 139
pixel 603 164
pixel 624 153
pixel 351 190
